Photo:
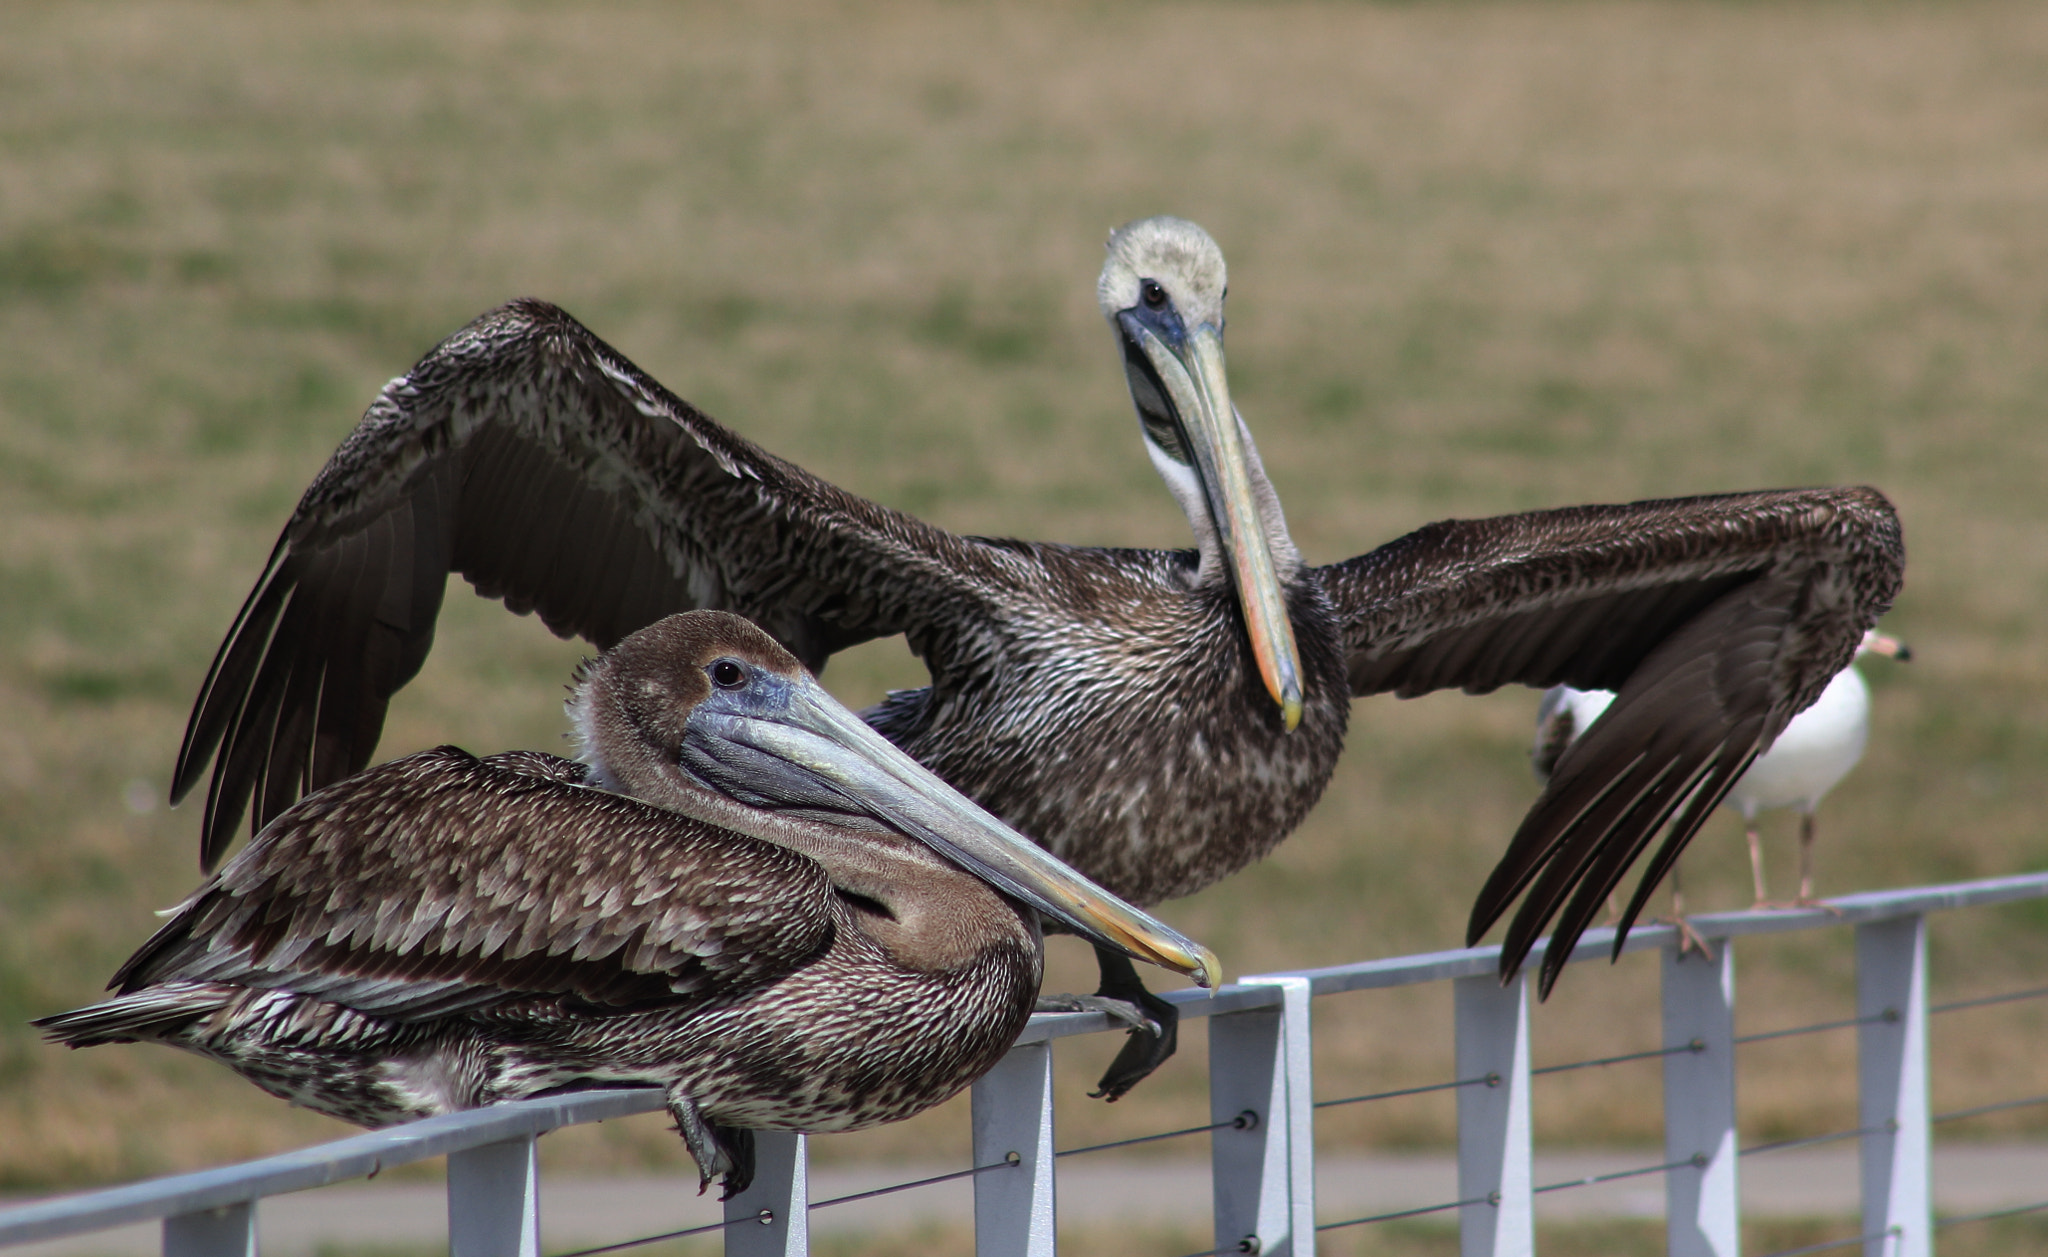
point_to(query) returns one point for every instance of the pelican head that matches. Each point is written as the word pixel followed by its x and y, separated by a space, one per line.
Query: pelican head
pixel 706 703
pixel 1162 291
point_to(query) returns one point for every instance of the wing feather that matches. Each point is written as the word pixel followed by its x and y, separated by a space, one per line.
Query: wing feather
pixel 1716 619
pixel 531 457
pixel 441 883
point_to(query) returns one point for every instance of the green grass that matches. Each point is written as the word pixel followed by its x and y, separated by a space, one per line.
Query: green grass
pixel 1488 257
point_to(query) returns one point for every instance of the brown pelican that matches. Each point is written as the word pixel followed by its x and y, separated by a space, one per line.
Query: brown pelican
pixel 790 925
pixel 1158 718
pixel 1812 754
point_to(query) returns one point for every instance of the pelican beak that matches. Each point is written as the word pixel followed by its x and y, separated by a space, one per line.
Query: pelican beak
pixel 1187 374
pixel 792 746
pixel 1890 647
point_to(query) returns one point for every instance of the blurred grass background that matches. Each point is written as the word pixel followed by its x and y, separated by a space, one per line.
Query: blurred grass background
pixel 1486 257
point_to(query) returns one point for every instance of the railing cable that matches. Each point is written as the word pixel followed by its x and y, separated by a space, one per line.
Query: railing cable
pixel 1889 1014
pixel 1781 1145
pixel 1695 1047
pixel 655 1239
pixel 1991 1214
pixel 1010 1161
pixel 1493 1080
pixel 1243 1121
pixel 1241 1246
pixel 1490 1198
pixel 1959 1114
pixel 1697 1161
pixel 1490 1080
pixel 2007 998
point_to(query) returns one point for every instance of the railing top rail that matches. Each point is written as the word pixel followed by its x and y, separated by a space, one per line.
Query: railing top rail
pixel 354 1157
pixel 365 1154
pixel 1595 944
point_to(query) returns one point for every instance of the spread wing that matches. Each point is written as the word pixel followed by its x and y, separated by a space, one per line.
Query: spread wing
pixel 1716 619
pixel 440 883
pixel 531 457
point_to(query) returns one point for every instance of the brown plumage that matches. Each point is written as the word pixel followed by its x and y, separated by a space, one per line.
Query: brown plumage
pixel 1130 709
pixel 804 941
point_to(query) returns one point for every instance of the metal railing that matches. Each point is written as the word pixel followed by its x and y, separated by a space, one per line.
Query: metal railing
pixel 1261 1075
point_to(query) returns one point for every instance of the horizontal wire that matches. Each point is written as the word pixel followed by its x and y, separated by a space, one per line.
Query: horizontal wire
pixel 1987 1216
pixel 1491 1080
pixel 1889 1014
pixel 1960 1114
pixel 766 1215
pixel 656 1239
pixel 1243 1121
pixel 1782 1144
pixel 1825 1245
pixel 1696 1046
pixel 1010 1161
pixel 2007 998
pixel 1491 1198
pixel 1697 1160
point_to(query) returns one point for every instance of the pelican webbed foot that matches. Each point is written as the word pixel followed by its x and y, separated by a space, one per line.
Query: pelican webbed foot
pixel 1131 1015
pixel 1147 1047
pixel 718 1150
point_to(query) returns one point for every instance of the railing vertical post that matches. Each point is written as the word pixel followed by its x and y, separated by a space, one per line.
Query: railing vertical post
pixel 1013 1209
pixel 1702 1207
pixel 1494 1149
pixel 772 1218
pixel 1261 1062
pixel 1891 1052
pixel 229 1231
pixel 494 1200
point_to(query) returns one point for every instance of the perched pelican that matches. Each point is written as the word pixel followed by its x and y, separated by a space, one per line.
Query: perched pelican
pixel 789 924
pixel 1157 718
pixel 1816 750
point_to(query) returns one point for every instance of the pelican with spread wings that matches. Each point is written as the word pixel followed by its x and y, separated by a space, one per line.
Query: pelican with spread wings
pixel 1157 718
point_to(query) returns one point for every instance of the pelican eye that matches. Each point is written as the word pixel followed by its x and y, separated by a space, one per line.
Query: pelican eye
pixel 727 674
pixel 1153 295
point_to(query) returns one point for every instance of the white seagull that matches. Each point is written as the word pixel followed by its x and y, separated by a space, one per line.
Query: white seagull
pixel 1816 750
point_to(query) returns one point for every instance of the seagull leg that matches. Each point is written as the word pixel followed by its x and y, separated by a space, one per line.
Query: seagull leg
pixel 1146 1049
pixel 727 1150
pixel 1806 899
pixel 1756 864
pixel 1689 939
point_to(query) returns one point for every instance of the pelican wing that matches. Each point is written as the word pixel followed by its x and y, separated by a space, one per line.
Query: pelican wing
pixel 531 457
pixel 1716 618
pixel 440 883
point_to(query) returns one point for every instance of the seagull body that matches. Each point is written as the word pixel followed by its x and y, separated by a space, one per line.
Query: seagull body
pixel 1814 752
pixel 741 895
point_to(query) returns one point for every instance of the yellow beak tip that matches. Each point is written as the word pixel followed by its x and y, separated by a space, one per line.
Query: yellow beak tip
pixel 1290 712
